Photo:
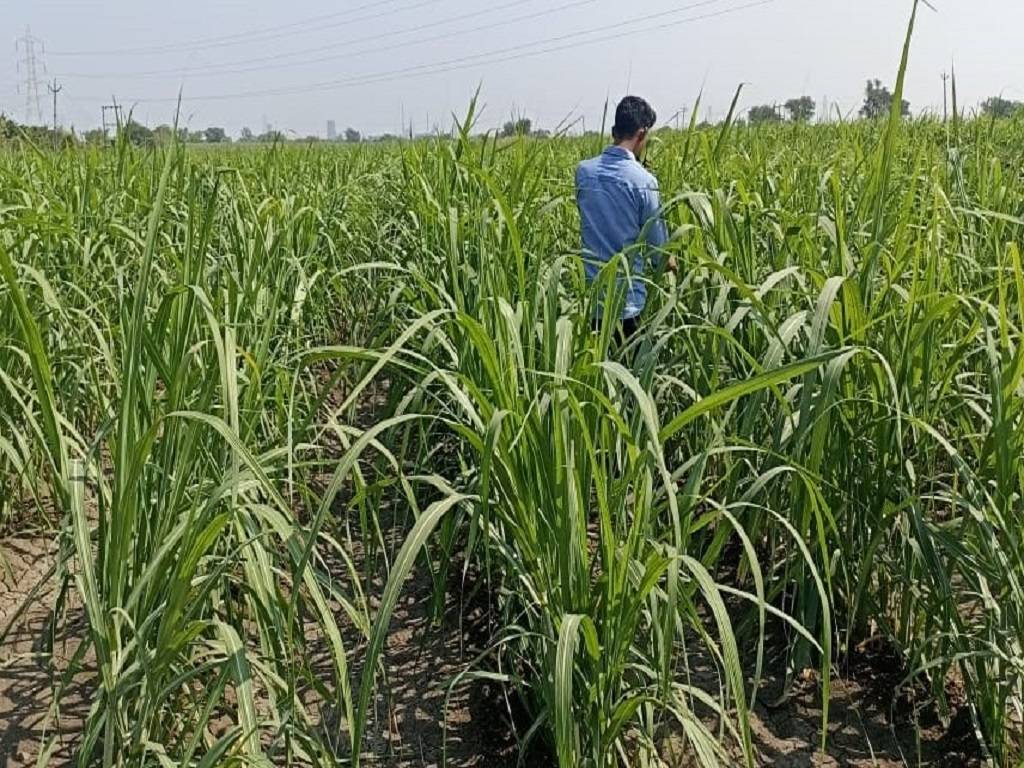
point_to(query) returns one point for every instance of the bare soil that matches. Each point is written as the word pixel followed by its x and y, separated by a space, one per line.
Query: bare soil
pixel 422 658
pixel 869 726
pixel 874 722
pixel 33 660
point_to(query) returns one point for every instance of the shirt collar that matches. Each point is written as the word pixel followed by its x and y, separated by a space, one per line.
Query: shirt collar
pixel 617 151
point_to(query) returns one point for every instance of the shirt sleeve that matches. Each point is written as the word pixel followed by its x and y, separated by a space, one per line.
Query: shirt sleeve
pixel 651 217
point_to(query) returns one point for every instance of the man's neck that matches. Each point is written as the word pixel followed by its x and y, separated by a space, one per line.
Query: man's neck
pixel 629 146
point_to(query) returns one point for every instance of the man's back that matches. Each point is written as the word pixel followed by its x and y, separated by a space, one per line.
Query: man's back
pixel 618 201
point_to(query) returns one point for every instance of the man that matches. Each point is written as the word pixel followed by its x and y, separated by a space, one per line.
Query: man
pixel 619 204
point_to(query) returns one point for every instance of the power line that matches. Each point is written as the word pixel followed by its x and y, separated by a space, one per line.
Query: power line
pixel 267 62
pixel 77 109
pixel 258 35
pixel 465 62
pixel 30 66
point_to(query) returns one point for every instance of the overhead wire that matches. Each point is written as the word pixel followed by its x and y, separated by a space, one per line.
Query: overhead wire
pixel 261 35
pixel 267 62
pixel 489 58
pixel 76 108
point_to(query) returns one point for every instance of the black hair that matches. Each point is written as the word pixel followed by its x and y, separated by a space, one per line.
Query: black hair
pixel 632 116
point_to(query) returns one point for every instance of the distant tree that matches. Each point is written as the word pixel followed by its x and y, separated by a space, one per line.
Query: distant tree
pixel 352 136
pixel 41 136
pixel 763 114
pixel 520 127
pixel 214 135
pixel 12 131
pixel 246 134
pixel 138 134
pixel 998 107
pixel 95 136
pixel 540 133
pixel 801 110
pixel 878 101
pixel 163 134
pixel 270 137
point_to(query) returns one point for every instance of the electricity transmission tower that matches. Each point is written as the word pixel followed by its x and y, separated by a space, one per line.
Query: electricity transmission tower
pixel 29 67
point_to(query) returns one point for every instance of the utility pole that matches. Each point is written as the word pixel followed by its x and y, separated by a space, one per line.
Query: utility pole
pixel 677 117
pixel 29 66
pixel 55 89
pixel 945 97
pixel 107 124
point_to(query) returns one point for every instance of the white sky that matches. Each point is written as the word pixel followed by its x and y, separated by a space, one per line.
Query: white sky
pixel 663 50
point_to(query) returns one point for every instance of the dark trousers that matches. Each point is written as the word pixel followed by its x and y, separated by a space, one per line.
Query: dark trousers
pixel 625 331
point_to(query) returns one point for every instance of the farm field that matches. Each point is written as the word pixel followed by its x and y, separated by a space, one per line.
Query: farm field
pixel 298 440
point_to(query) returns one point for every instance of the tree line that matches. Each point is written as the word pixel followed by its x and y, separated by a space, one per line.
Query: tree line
pixel 877 103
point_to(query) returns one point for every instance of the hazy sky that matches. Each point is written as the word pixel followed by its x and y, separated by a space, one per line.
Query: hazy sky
pixel 366 63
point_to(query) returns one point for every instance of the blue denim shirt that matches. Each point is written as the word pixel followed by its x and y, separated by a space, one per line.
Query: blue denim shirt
pixel 618 198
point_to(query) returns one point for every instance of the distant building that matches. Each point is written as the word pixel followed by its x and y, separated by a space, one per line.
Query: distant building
pixel 332 130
